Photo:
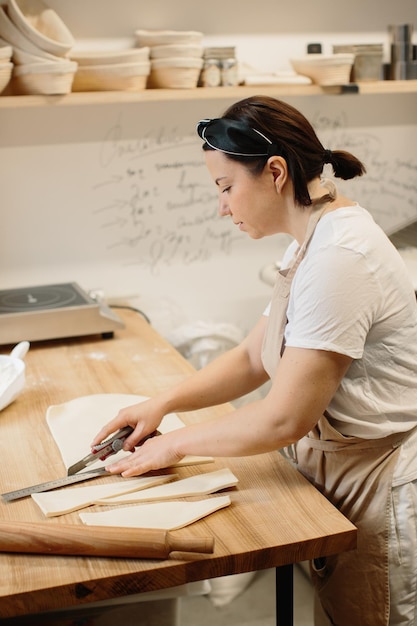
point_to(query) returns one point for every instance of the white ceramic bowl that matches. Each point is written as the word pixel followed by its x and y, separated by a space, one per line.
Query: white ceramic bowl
pixel 12 374
pixel 108 57
pixel 41 25
pixel 113 77
pixel 5 75
pixel 175 73
pixel 44 78
pixel 12 35
pixel 165 37
pixel 176 50
pixel 331 69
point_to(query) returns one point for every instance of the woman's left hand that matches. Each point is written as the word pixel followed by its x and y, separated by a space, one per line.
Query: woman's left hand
pixel 156 453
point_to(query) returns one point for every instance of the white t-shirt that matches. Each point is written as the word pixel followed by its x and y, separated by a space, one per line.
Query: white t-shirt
pixel 352 295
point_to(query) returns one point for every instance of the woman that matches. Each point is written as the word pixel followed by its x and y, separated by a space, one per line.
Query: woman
pixel 338 342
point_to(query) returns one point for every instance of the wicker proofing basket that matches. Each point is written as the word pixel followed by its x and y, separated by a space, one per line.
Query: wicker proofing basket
pixel 43 78
pixel 176 50
pixel 41 25
pixel 324 69
pixel 14 37
pixel 110 57
pixel 5 75
pixel 6 52
pixel 114 77
pixel 168 37
pixel 175 73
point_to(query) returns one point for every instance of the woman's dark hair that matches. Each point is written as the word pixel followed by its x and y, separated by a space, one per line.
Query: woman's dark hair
pixel 294 139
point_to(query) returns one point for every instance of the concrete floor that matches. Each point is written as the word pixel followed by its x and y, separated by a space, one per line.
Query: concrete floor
pixel 254 607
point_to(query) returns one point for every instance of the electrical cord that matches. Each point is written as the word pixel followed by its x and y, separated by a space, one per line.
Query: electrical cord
pixel 132 308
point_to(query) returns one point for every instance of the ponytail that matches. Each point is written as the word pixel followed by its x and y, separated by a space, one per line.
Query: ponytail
pixel 345 165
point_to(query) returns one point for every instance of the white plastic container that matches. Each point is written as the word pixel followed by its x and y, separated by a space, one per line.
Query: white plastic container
pixel 12 374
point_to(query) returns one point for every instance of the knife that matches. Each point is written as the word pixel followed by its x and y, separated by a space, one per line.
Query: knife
pixel 105 449
pixel 102 451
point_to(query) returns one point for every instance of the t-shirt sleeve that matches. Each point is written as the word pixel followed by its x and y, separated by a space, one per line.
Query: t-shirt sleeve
pixel 333 302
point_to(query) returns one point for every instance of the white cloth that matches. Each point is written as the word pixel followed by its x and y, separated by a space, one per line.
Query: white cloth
pixel 352 294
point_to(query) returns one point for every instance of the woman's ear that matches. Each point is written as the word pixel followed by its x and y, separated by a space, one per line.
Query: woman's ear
pixel 278 167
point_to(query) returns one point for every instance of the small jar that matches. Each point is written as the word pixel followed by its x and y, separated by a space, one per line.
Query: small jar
pixel 229 74
pixel 211 73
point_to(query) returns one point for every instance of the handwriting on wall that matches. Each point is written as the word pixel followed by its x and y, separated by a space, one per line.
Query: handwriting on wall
pixel 389 188
pixel 155 203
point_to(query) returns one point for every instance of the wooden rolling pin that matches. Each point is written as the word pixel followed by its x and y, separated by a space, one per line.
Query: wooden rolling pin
pixel 74 539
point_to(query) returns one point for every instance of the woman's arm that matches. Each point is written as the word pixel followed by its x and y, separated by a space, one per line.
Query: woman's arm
pixel 230 376
pixel 304 384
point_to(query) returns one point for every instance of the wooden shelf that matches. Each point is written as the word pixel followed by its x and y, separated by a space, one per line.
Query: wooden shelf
pixel 217 93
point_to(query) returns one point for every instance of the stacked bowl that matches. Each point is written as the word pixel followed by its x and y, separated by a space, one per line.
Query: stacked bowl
pixel 325 69
pixel 40 43
pixel 6 65
pixel 107 70
pixel 176 57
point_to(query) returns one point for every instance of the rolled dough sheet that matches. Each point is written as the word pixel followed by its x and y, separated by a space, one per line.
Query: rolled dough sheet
pixel 199 485
pixel 61 501
pixel 73 425
pixel 163 515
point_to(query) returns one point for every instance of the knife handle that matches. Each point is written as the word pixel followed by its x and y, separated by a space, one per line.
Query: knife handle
pixel 105 541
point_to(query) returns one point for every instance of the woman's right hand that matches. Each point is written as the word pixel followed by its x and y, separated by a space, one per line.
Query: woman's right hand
pixel 144 417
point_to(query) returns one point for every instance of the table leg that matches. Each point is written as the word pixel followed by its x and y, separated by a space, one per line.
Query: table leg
pixel 284 590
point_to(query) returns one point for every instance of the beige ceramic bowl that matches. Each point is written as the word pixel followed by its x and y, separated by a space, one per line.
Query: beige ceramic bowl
pixel 109 57
pixel 176 50
pixel 166 37
pixel 113 77
pixel 332 69
pixel 44 78
pixel 41 25
pixel 5 75
pixel 175 73
pixel 12 35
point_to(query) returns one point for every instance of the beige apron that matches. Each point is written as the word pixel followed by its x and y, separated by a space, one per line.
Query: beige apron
pixel 355 475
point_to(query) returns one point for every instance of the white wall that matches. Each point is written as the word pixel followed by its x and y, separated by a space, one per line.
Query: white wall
pixel 102 18
pixel 51 226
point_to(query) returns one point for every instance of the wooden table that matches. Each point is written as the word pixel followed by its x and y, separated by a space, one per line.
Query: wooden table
pixel 276 518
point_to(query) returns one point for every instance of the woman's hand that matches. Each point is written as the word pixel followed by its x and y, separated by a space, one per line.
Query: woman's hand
pixel 143 417
pixel 156 453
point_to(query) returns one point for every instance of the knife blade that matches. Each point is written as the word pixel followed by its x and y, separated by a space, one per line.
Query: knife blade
pixel 110 446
